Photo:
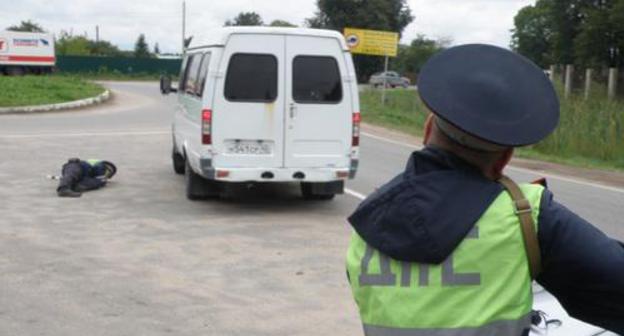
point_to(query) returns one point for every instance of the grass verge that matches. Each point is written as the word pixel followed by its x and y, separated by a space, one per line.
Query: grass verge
pixel 40 90
pixel 590 132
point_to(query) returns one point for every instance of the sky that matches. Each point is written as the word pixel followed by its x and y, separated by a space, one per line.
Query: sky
pixel 121 21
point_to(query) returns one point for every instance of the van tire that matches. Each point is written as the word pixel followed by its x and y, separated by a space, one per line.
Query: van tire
pixel 197 187
pixel 178 162
pixel 310 191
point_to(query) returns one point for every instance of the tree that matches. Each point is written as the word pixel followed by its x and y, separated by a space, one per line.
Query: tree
pixel 584 32
pixel 388 15
pixel 565 17
pixel 245 19
pixel 616 19
pixel 27 26
pixel 156 49
pixel 596 39
pixel 410 59
pixel 281 23
pixel 68 44
pixel 532 35
pixel 141 49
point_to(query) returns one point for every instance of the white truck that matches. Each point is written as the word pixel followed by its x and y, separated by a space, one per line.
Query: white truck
pixel 23 53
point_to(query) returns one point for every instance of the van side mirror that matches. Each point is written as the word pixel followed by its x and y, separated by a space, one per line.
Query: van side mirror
pixel 165 85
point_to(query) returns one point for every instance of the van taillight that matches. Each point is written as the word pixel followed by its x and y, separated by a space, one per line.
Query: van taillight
pixel 355 139
pixel 206 127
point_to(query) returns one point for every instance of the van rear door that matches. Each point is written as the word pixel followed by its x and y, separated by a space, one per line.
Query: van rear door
pixel 248 110
pixel 318 104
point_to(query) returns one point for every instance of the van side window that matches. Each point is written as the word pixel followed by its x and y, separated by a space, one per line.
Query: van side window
pixel 191 74
pixel 316 79
pixel 203 73
pixel 182 79
pixel 251 78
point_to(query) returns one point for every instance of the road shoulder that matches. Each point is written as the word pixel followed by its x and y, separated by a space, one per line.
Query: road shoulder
pixel 598 176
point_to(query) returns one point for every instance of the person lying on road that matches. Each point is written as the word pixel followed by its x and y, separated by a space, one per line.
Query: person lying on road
pixel 80 176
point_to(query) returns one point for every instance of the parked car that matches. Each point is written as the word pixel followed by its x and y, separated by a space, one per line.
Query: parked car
pixel 263 104
pixel 391 78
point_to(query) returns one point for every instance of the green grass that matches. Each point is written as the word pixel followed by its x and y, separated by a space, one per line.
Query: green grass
pixel 39 90
pixel 403 110
pixel 590 132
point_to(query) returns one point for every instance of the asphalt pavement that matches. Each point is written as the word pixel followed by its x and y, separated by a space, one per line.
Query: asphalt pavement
pixel 138 258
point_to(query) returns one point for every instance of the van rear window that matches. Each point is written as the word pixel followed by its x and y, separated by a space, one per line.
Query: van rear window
pixel 316 79
pixel 251 78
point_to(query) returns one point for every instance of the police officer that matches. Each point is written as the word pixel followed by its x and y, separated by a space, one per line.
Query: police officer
pixel 84 175
pixel 450 246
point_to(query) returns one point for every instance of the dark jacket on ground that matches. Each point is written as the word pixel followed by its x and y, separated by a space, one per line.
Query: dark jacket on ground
pixel 423 214
pixel 81 176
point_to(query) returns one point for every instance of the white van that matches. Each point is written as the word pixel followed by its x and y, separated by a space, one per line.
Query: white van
pixel 259 104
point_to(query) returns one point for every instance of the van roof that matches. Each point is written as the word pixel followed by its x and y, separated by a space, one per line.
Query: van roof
pixel 218 37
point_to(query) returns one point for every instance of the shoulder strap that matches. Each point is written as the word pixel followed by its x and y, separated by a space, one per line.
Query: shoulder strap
pixel 524 212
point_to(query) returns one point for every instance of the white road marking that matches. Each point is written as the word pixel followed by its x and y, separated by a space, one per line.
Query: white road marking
pixel 355 194
pixel 391 141
pixel 85 134
pixel 568 179
pixel 522 170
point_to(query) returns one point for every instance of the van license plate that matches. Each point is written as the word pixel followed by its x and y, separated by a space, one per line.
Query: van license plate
pixel 248 148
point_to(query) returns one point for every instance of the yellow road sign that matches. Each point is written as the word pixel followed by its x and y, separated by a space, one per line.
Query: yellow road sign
pixel 372 42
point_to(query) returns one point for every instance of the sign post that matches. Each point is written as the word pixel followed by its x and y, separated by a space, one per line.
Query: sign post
pixel 373 42
pixel 385 83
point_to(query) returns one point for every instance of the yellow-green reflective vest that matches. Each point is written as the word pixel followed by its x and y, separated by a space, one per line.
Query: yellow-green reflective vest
pixel 483 288
pixel 93 162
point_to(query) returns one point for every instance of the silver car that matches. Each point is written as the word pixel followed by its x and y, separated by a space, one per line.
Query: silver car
pixel 392 79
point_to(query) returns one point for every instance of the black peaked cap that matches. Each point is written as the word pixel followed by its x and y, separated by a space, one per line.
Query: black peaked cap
pixel 491 93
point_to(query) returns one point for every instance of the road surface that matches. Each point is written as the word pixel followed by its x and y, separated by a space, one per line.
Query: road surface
pixel 137 258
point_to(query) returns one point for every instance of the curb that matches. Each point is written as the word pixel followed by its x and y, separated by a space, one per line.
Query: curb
pixel 104 96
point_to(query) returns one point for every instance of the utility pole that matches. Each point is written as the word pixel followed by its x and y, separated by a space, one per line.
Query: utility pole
pixel 97 34
pixel 183 25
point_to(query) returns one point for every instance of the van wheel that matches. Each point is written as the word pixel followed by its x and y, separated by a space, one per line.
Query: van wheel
pixel 314 191
pixel 198 187
pixel 178 162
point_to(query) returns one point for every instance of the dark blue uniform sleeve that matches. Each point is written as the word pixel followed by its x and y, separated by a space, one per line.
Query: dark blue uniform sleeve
pixel 582 267
pixel 90 183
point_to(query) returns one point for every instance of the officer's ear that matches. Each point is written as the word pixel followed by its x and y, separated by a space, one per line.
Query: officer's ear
pixel 428 129
pixel 502 162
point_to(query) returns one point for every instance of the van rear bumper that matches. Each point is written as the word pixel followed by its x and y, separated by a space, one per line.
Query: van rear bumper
pixel 276 174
